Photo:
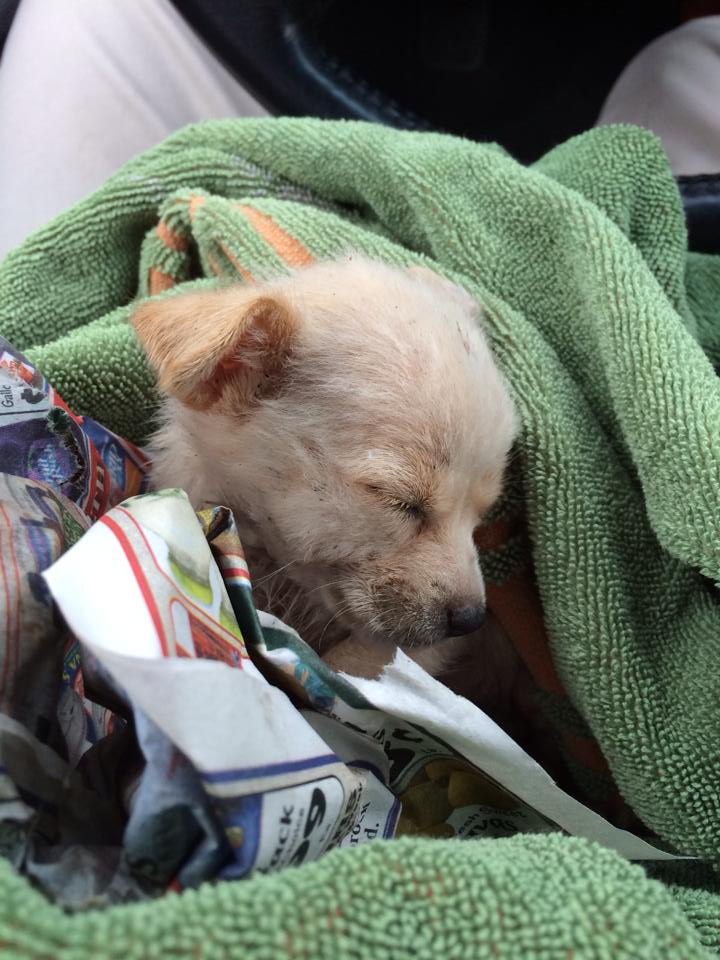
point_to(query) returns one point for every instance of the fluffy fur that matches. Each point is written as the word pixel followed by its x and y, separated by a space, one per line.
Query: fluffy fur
pixel 354 419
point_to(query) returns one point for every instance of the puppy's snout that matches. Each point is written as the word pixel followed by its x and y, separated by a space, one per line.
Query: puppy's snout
pixel 462 620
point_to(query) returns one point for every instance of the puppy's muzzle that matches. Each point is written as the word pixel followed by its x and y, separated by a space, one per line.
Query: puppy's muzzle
pixel 462 620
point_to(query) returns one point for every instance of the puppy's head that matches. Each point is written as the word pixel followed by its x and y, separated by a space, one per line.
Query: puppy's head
pixel 353 417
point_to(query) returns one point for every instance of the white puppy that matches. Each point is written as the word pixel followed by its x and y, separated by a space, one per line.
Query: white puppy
pixel 353 418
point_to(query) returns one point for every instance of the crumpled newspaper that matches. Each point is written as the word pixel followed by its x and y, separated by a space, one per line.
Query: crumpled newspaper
pixel 162 732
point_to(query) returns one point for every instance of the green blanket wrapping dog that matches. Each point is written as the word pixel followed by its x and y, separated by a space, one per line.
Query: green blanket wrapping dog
pixel 603 563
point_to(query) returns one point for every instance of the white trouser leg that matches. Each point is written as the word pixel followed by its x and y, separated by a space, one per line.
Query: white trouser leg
pixel 87 84
pixel 672 87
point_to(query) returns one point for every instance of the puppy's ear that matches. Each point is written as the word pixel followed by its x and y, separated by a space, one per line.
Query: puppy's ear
pixel 227 344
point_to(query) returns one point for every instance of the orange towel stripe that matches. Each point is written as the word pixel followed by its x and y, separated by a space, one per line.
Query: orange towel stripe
pixel 171 239
pixel 213 264
pixel 159 281
pixel 587 752
pixel 245 274
pixel 294 253
pixel 516 605
pixel 195 203
pixel 496 534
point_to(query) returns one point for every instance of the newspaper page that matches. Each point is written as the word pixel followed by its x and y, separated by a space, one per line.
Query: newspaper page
pixel 313 759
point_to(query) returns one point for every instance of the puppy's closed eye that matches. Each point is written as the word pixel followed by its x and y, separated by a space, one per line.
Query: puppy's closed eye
pixel 412 507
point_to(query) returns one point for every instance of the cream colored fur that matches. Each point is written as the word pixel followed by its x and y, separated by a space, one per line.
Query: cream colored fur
pixel 354 419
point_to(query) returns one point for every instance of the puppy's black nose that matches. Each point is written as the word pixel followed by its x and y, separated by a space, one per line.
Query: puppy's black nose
pixel 462 620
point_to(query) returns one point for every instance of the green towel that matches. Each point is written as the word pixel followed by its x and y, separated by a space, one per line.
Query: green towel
pixel 529 898
pixel 607 330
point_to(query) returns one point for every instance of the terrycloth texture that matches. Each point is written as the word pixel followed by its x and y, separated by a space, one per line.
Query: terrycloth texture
pixel 548 898
pixel 599 318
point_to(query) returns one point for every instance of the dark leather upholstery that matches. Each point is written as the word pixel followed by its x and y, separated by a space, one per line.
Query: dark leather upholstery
pixel 267 45
pixel 8 9
pixel 526 74
pixel 701 200
pixel 458 66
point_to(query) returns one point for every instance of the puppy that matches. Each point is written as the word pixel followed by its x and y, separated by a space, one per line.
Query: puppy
pixel 353 418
